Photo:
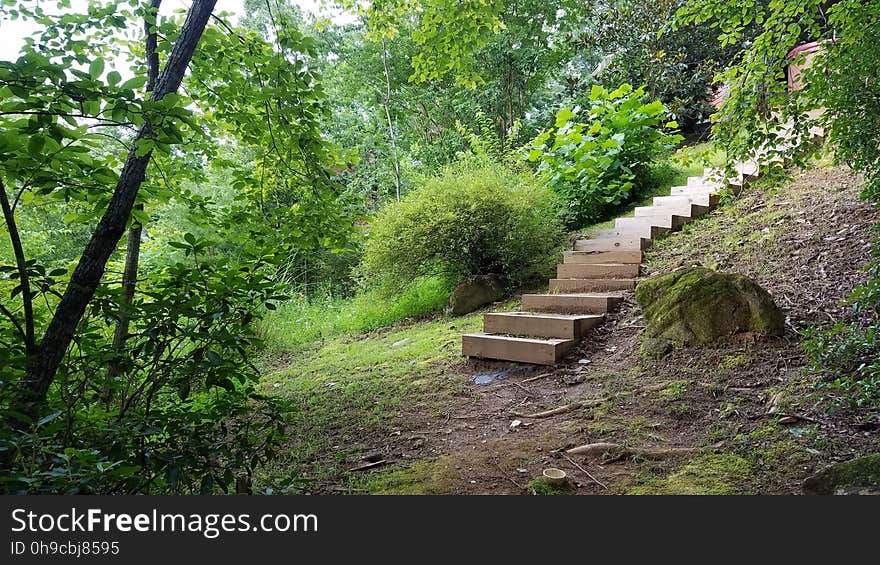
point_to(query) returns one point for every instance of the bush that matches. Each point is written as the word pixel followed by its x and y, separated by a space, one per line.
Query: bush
pixel 474 218
pixel 849 353
pixel 594 167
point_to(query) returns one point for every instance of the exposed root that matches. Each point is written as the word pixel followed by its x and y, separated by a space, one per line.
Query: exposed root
pixel 613 451
pixel 564 409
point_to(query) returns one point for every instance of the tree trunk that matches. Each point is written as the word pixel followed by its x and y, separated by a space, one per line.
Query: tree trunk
pixel 390 123
pixel 133 245
pixel 43 365
pixel 24 279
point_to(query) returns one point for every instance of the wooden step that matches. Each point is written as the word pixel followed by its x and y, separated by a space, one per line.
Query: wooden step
pixel 632 223
pixel 561 326
pixel 749 170
pixel 591 257
pixel 699 181
pixel 695 189
pixel 524 350
pixel 645 231
pixel 597 270
pixel 578 303
pixel 633 243
pixel 685 210
pixel 656 216
pixel 710 200
pixel 735 183
pixel 591 285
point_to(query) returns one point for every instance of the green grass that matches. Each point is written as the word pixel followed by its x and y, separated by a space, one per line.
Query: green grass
pixel 302 320
pixel 712 474
pixel 348 394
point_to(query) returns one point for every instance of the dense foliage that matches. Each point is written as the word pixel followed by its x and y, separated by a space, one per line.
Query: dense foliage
pixel 154 389
pixel 642 46
pixel 597 162
pixel 474 218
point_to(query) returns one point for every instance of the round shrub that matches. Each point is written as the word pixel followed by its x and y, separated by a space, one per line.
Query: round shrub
pixel 474 218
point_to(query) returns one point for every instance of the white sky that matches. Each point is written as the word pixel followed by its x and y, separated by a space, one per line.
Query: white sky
pixel 12 34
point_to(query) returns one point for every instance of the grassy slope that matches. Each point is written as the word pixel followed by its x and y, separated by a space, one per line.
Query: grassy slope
pixel 353 395
pixel 350 390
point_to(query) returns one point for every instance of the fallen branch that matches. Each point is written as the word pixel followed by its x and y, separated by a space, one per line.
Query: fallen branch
pixel 368 466
pixel 532 379
pixel 782 415
pixel 564 409
pixel 584 471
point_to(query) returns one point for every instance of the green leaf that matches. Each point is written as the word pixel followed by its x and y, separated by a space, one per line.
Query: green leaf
pixel 563 117
pixel 144 146
pixel 140 216
pixel 35 145
pixel 190 238
pixel 96 67
pixel 134 83
pixel 46 419
pixel 113 78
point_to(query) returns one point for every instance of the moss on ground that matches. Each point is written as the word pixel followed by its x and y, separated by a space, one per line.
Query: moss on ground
pixel 431 476
pixel 713 474
pixel 674 390
pixel 541 487
pixel 733 362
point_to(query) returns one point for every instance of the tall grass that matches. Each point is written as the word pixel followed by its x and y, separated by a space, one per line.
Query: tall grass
pixel 303 320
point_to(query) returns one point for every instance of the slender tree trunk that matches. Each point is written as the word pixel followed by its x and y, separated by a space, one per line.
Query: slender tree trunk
pixel 44 363
pixel 21 263
pixel 390 123
pixel 133 245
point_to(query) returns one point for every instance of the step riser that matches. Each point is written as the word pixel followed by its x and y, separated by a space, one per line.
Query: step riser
pixel 665 217
pixel 590 285
pixel 587 258
pixel 608 244
pixel 652 232
pixel 566 304
pixel 538 327
pixel 538 353
pixel 680 214
pixel 574 271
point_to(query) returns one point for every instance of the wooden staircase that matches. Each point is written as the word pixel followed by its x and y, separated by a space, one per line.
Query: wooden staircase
pixel 593 278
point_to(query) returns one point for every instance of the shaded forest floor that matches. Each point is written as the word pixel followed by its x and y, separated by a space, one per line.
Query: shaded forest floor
pixel 406 398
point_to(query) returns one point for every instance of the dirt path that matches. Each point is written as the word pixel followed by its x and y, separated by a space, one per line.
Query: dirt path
pixel 806 244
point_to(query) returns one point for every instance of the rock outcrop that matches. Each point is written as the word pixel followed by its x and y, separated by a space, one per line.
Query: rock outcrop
pixel 696 306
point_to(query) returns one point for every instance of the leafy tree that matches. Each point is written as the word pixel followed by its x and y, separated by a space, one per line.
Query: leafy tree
pixel 637 43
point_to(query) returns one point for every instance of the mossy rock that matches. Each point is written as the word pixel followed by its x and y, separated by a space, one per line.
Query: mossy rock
pixel 696 306
pixel 474 293
pixel 855 476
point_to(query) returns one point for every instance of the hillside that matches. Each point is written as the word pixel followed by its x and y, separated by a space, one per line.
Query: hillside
pixel 407 397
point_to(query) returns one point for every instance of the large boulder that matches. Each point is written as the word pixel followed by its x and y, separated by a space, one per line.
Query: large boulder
pixel 856 476
pixel 475 292
pixel 696 306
